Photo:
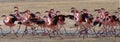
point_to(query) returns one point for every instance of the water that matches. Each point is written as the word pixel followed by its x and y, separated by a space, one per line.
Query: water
pixel 69 32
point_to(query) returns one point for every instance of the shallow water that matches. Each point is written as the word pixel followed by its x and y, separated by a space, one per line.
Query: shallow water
pixel 69 32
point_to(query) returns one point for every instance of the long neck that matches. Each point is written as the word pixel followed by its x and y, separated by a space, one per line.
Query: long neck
pixel 6 19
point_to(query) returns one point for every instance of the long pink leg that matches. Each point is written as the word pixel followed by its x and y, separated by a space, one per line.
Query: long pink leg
pixel 9 31
pixel 75 31
pixel 65 30
pixel 14 32
pixel 59 33
pixel 25 31
pixel 18 29
pixel 33 30
pixel 2 31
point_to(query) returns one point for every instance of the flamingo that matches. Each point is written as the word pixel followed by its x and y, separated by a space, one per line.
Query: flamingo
pixel 10 23
pixel 84 23
pixel 109 24
pixel 27 16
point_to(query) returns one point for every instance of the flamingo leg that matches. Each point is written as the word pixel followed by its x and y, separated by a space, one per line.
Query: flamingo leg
pixel 9 31
pixel 25 31
pixel 85 33
pixel 65 30
pixel 106 31
pixel 75 31
pixel 114 31
pixel 44 31
pixel 101 30
pixel 18 29
pixel 54 32
pixel 33 30
pixel 80 31
pixel 95 32
pixel 36 30
pixel 59 27
pixel 14 32
pixel 59 34
pixel 2 31
pixel 49 33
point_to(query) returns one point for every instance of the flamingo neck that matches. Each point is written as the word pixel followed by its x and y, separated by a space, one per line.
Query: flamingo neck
pixel 6 19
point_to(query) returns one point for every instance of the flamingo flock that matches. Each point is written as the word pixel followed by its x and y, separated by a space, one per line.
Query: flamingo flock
pixel 85 23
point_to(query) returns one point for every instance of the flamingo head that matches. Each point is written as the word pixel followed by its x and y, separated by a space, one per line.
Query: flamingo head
pixel 3 16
